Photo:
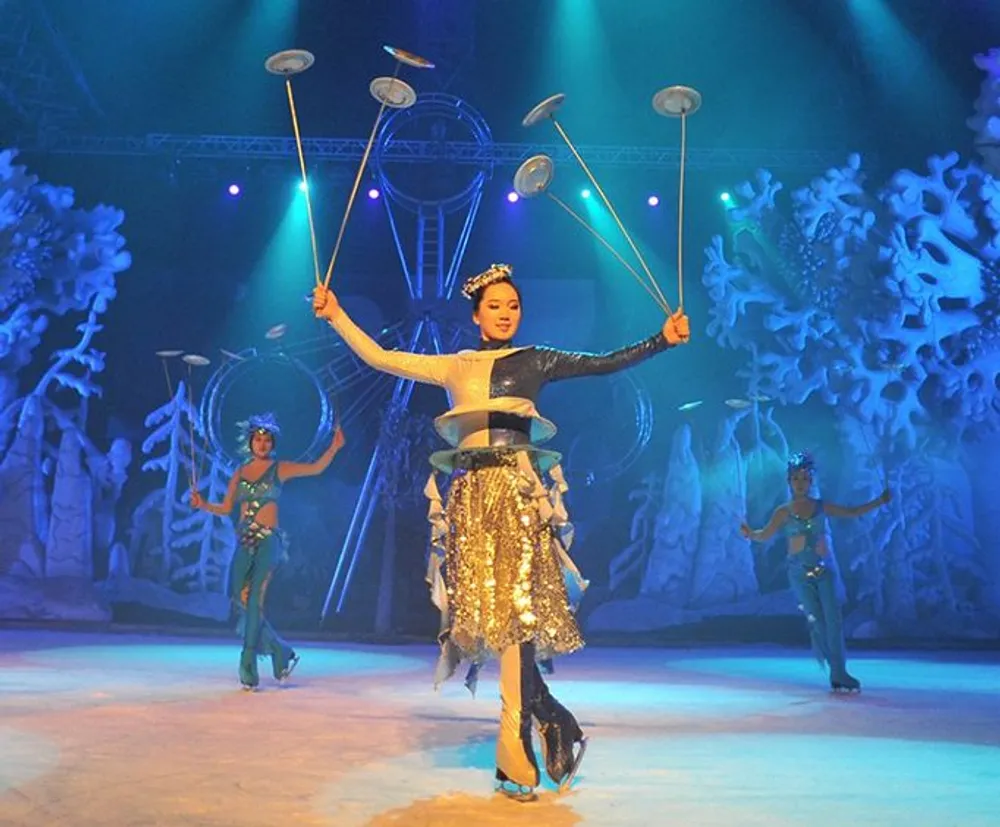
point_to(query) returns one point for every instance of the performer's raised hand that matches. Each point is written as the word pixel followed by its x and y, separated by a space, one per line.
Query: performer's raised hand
pixel 677 328
pixel 745 531
pixel 339 440
pixel 196 500
pixel 325 304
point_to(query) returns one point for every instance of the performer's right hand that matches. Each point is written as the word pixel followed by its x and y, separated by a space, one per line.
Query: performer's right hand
pixel 196 500
pixel 677 329
pixel 339 440
pixel 325 304
pixel 745 531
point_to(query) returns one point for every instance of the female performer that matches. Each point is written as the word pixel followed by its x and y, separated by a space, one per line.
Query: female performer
pixel 811 571
pixel 256 486
pixel 502 592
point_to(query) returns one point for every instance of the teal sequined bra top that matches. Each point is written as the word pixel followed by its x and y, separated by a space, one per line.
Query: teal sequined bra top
pixel 812 528
pixel 257 493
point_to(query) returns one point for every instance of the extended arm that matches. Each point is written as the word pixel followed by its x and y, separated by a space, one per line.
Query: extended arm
pixel 290 470
pixel 561 364
pixel 430 369
pixel 775 524
pixel 858 510
pixel 223 509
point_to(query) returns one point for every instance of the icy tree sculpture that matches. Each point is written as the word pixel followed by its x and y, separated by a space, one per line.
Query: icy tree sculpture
pixel 986 121
pixel 56 260
pixel 883 306
pixel 174 549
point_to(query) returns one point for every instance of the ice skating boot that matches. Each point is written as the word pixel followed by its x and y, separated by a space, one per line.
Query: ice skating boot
pixel 516 767
pixel 560 734
pixel 283 663
pixel 248 670
pixel 845 683
pixel 513 790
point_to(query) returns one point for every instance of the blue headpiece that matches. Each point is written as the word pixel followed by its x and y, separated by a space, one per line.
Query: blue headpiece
pixel 801 460
pixel 265 422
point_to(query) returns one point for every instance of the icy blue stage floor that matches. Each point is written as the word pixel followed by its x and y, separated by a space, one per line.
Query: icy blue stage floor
pixel 130 730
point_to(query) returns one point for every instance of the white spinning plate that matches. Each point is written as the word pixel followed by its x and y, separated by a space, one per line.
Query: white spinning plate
pixel 675 101
pixel 393 92
pixel 543 110
pixel 289 62
pixel 534 176
pixel 168 354
pixel 195 360
pixel 410 59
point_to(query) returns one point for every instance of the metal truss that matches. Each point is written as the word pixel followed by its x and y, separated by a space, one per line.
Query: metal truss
pixel 35 65
pixel 335 150
pixel 431 274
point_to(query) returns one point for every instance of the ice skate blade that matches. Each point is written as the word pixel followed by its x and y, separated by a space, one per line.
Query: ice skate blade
pixel 515 792
pixel 567 782
pixel 287 673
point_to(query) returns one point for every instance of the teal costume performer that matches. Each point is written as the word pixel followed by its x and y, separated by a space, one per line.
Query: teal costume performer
pixel 812 570
pixel 255 488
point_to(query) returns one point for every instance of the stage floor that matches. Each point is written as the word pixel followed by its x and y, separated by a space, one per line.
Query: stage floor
pixel 149 730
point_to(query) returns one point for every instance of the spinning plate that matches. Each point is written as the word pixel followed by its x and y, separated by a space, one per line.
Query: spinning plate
pixel 393 92
pixel 410 59
pixel 690 406
pixel 276 332
pixel 195 360
pixel 543 110
pixel 230 355
pixel 738 404
pixel 168 354
pixel 534 176
pixel 289 62
pixel 674 101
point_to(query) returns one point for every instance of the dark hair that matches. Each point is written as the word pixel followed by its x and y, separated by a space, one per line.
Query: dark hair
pixel 477 297
pixel 801 461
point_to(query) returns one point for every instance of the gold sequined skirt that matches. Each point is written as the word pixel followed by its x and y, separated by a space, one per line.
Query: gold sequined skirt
pixel 504 581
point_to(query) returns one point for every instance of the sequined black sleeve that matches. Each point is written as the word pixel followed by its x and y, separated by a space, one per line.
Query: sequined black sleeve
pixel 561 364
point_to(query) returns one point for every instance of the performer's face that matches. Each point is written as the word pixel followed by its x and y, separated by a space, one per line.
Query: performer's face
pixel 499 313
pixel 261 444
pixel 800 480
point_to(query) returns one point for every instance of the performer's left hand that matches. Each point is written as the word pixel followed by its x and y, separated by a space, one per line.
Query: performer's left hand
pixel 885 498
pixel 325 304
pixel 339 440
pixel 677 329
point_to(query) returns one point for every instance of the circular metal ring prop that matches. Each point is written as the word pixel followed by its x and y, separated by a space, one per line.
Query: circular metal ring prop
pixel 534 176
pixel 232 371
pixel 433 108
pixel 410 59
pixel 393 92
pixel 543 110
pixel 675 101
pixel 289 62
pixel 637 397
